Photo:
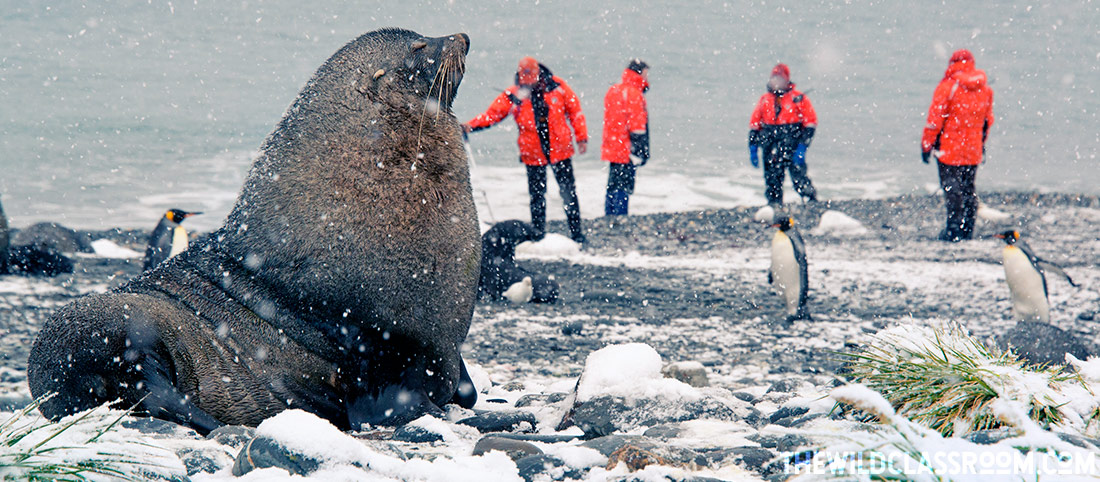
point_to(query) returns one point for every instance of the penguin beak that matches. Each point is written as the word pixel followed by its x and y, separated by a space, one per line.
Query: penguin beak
pixel 999 236
pixel 187 215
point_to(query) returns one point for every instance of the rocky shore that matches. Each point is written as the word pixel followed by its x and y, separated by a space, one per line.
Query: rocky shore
pixel 679 294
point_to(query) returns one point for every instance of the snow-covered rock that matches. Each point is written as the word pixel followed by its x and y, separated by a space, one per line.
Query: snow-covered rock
pixel 105 248
pixel 551 246
pixel 836 223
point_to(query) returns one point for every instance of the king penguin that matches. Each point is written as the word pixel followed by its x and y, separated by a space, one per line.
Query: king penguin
pixel 788 270
pixel 1025 274
pixel 168 238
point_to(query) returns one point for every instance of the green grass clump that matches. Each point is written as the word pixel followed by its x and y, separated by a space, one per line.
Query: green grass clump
pixel 946 380
pixel 76 449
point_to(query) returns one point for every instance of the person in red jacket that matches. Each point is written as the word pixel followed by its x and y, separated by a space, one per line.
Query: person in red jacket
pixel 783 125
pixel 958 124
pixel 625 135
pixel 544 108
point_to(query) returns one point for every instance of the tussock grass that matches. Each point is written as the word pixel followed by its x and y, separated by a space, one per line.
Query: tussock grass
pixel 948 381
pixel 81 447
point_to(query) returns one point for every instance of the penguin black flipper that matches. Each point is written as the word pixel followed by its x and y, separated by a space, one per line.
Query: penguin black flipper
pixel 1047 266
pixel 803 274
pixel 160 244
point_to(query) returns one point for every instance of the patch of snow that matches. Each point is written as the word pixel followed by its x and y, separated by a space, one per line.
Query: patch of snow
pixel 312 436
pixel 865 399
pixel 765 214
pixel 839 224
pixel 551 246
pixel 630 371
pixel 575 456
pixel 992 215
pixel 105 248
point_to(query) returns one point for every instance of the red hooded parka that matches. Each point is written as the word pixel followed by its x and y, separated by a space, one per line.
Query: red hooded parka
pixel 624 112
pixel 563 105
pixel 961 113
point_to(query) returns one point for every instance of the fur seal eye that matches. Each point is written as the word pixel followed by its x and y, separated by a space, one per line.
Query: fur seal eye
pixel 419 44
pixel 379 73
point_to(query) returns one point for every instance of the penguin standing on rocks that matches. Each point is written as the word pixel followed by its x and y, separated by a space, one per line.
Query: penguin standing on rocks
pixel 1025 274
pixel 168 238
pixel 788 270
pixel 4 240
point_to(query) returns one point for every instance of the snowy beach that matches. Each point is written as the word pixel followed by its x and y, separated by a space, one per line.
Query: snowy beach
pixel 690 288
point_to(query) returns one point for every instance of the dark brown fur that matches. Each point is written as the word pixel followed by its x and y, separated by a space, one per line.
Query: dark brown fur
pixel 343 281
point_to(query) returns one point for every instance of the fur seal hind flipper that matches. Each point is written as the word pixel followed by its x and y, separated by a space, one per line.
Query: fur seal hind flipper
pixel 466 394
pixel 115 357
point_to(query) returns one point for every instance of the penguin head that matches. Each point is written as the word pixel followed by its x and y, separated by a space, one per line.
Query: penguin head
pixel 178 215
pixel 1010 236
pixel 783 222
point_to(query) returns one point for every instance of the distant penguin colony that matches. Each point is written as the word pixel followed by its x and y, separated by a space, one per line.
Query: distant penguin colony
pixel 1025 275
pixel 169 238
pixel 788 273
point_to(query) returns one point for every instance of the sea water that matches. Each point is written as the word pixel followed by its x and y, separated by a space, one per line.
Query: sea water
pixel 116 111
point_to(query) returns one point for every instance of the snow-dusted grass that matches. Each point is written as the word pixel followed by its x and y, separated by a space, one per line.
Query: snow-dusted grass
pixel 84 446
pixel 950 382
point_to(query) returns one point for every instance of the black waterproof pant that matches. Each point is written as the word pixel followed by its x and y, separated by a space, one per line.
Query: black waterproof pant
pixel 778 144
pixel 775 168
pixel 536 186
pixel 961 201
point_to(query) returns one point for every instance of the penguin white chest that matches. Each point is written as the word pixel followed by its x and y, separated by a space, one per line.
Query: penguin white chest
pixel 1029 300
pixel 786 274
pixel 179 241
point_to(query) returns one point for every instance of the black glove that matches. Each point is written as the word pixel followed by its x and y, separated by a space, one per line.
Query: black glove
pixel 639 146
pixel 807 135
pixel 925 155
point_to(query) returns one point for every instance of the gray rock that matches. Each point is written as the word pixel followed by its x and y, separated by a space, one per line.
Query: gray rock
pixel 744 396
pixel 677 456
pixel 54 236
pixel 232 435
pixel 158 428
pixel 571 328
pixel 690 373
pixel 1042 343
pixel 516 449
pixel 412 434
pixel 989 437
pixel 204 460
pixel 263 452
pixel 549 466
pixel 755 459
pixel 606 415
pixel 486 422
pixel 788 411
pixel 664 431
pixel 785 386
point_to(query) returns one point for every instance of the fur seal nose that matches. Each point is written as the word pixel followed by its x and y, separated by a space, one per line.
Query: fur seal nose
pixel 464 40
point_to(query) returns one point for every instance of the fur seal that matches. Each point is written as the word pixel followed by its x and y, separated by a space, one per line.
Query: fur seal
pixel 31 259
pixel 343 281
pixel 499 270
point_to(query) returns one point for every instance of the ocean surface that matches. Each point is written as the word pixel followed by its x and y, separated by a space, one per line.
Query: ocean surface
pixel 114 111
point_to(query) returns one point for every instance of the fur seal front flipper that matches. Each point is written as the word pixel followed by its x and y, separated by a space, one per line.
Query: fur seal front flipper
pixel 343 282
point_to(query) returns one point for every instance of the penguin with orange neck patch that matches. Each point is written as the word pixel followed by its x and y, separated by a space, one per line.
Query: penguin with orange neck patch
pixel 1025 274
pixel 168 238
pixel 788 272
